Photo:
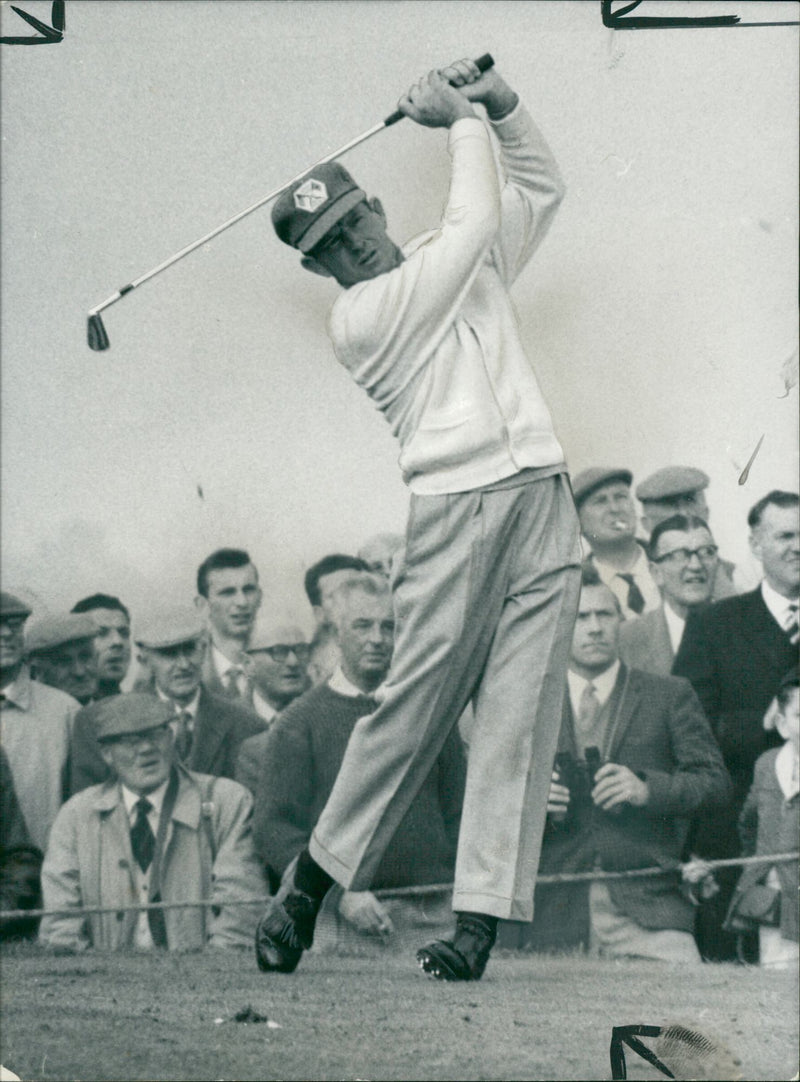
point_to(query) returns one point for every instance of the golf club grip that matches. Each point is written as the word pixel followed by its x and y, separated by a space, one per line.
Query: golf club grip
pixel 483 63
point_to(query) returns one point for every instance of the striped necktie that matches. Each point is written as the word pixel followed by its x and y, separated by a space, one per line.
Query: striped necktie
pixel 792 625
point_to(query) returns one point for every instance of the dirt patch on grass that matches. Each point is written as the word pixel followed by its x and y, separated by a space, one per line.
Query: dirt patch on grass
pixel 131 1016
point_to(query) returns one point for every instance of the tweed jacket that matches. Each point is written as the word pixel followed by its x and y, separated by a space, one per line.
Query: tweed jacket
pixel 89 863
pixel 220 726
pixel 770 823
pixel 644 643
pixel 657 729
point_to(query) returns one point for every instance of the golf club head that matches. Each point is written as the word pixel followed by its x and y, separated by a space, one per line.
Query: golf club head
pixel 96 334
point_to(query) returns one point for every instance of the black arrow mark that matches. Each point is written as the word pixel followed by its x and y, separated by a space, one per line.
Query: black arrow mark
pixel 47 35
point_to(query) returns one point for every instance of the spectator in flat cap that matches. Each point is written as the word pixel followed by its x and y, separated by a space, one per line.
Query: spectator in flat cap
pixel 683 563
pixel 681 490
pixel 228 598
pixel 154 832
pixel 208 728
pixel 60 650
pixel 608 523
pixel 277 661
pixel 380 552
pixel 735 653
pixel 35 726
pixel 112 643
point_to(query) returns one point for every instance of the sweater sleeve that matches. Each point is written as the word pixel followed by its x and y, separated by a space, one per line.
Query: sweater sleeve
pixel 531 195
pixel 283 818
pixel 385 330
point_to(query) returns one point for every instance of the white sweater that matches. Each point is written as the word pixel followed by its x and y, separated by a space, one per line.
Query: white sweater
pixel 435 342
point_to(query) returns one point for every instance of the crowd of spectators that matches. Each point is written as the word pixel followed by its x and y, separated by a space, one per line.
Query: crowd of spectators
pixel 678 746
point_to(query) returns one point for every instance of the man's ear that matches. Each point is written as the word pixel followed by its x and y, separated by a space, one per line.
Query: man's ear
pixel 312 265
pixel 375 204
pixel 754 542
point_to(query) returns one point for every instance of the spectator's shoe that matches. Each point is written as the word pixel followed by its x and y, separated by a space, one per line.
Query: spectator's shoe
pixel 285 931
pixel 464 957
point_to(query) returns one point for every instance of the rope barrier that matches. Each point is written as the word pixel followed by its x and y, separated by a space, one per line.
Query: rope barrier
pixel 403 892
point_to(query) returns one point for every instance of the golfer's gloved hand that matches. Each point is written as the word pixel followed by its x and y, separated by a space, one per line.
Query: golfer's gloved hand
pixel 433 103
pixel 363 910
pixel 487 87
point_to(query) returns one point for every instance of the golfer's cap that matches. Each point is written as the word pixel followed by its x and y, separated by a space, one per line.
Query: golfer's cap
pixel 588 481
pixel 12 606
pixel 309 208
pixel 169 627
pixel 135 712
pixel 47 632
pixel 671 481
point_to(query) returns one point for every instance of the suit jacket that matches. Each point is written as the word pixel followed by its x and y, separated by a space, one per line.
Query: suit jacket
pixel 658 730
pixel 89 863
pixel 644 643
pixel 734 654
pixel 220 726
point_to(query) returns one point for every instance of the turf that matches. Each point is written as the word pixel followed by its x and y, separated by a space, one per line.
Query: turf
pixel 129 1016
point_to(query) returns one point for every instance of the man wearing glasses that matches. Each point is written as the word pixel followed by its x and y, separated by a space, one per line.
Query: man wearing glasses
pixel 153 832
pixel 683 564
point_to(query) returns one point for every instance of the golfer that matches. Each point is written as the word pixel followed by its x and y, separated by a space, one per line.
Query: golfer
pixel 485 597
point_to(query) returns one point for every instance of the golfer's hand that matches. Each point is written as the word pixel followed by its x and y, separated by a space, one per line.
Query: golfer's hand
pixel 558 797
pixel 615 785
pixel 363 910
pixel 434 103
pixel 488 87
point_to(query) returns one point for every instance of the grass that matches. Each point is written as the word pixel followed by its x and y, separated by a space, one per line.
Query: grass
pixel 129 1016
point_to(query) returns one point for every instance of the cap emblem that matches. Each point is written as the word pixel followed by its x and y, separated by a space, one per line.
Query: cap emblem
pixel 310 195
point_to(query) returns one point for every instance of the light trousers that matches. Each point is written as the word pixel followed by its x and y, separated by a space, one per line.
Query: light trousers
pixel 485 604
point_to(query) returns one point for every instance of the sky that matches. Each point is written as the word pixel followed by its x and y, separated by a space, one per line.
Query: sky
pixel 659 314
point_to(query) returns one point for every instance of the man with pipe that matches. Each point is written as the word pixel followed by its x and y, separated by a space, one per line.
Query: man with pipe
pixel 486 593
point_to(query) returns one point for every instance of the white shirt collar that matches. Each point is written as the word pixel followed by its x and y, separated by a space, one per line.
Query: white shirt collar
pixel 675 626
pixel 190 708
pixel 786 770
pixel 223 664
pixel 603 685
pixel 156 798
pixel 339 683
pixel 778 605
pixel 264 709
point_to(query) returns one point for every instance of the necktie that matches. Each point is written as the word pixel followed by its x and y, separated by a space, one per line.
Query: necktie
pixel 234 678
pixel 792 624
pixel 143 841
pixel 183 736
pixel 635 600
pixel 588 712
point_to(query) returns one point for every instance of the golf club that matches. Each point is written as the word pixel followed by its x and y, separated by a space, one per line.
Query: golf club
pixel 96 332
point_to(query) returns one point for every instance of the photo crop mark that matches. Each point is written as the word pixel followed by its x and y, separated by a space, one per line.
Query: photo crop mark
pixel 45 35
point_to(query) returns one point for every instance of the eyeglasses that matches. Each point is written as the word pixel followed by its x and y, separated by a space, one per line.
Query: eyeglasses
pixel 279 653
pixel 132 740
pixel 681 557
pixel 13 621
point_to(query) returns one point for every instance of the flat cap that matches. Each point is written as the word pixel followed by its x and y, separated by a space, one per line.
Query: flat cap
pixel 135 712
pixel 12 606
pixel 671 481
pixel 169 626
pixel 47 632
pixel 307 210
pixel 588 481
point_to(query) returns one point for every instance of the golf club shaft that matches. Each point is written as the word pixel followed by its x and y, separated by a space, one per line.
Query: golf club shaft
pixel 484 63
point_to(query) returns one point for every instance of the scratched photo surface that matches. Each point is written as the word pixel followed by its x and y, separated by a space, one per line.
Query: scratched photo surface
pixel 659 313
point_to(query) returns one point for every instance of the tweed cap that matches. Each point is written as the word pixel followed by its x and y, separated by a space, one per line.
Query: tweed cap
pixel 588 481
pixel 169 627
pixel 12 606
pixel 135 712
pixel 314 204
pixel 47 632
pixel 671 481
